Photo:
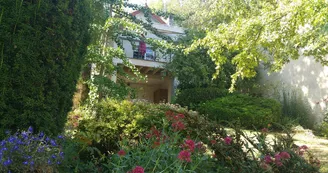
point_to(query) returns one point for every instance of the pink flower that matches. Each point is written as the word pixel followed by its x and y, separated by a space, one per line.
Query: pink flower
pixel 121 153
pixel 303 147
pixel 227 140
pixel 264 166
pixel 199 145
pixel 264 130
pixel 190 144
pixel 278 163
pixel 184 155
pixel 177 126
pixel 284 155
pixel 267 159
pixel 277 160
pixel 138 169
pixel 277 157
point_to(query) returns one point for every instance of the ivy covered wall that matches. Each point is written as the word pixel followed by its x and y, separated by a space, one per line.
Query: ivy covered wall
pixel 42 43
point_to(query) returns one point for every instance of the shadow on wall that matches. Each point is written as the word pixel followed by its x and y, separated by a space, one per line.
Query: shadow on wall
pixel 303 83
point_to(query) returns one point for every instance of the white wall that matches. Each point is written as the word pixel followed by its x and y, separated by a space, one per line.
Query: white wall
pixel 305 75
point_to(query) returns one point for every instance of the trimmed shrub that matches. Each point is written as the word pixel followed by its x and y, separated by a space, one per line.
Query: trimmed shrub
pixel 249 111
pixel 42 44
pixel 193 97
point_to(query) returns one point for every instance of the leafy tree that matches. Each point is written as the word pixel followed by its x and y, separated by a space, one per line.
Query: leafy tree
pixel 196 69
pixel 269 31
pixel 42 44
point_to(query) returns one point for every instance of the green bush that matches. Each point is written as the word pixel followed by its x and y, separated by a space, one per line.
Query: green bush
pixel 193 97
pixel 42 44
pixel 249 111
pixel 113 120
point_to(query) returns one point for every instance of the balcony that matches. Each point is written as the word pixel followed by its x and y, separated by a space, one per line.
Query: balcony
pixel 151 55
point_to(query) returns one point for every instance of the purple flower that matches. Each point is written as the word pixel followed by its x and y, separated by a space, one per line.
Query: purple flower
pixel 61 154
pixel 7 162
pixel 24 135
pixel 58 162
pixel 41 135
pixel 25 163
pixel 3 143
pixel 60 137
pixel 49 162
pixel 32 163
pixel 53 143
pixel 30 129
pixel 53 156
pixel 11 139
pixel 40 149
pixel 268 159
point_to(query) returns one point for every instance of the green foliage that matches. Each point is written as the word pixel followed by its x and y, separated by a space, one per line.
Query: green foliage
pixel 249 111
pixel 211 148
pixel 162 155
pixel 196 69
pixel 279 154
pixel 42 44
pixel 273 32
pixel 194 96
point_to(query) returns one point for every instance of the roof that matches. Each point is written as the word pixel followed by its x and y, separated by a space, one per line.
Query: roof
pixel 159 19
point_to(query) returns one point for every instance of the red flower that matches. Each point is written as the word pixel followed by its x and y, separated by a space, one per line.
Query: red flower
pixel 184 155
pixel 138 169
pixel 121 153
pixel 168 113
pixel 227 140
pixel 190 144
pixel 177 126
pixel 148 136
pixel 156 144
pixel 155 132
pixel 181 116
pixel 213 142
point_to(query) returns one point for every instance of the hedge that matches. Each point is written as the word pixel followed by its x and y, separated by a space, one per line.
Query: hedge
pixel 250 111
pixel 42 44
pixel 192 97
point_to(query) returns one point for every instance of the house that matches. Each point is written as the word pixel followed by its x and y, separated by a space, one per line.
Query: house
pixel 159 84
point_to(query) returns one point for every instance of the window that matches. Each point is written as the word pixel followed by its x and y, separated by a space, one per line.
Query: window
pixel 150 54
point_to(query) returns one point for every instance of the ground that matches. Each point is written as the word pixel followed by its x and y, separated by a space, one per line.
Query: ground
pixel 318 145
